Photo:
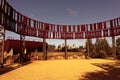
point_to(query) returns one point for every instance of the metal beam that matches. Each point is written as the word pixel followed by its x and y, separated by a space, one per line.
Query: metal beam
pixel 22 49
pixel 2 40
pixel 113 47
pixel 44 49
pixel 88 48
pixel 66 49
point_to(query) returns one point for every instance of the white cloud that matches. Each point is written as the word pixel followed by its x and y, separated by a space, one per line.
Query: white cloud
pixel 72 12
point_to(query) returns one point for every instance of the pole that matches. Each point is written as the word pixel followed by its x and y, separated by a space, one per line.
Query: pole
pixel 66 49
pixel 88 48
pixel 44 49
pixel 22 49
pixel 113 47
pixel 2 36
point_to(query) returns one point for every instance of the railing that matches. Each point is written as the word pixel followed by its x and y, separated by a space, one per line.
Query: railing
pixel 14 21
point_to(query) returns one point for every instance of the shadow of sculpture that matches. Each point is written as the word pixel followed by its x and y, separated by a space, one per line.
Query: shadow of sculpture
pixel 112 72
pixel 9 68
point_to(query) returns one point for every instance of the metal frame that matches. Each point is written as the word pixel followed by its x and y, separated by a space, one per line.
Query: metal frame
pixel 2 39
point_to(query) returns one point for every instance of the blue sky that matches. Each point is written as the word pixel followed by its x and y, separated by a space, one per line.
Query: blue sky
pixel 68 12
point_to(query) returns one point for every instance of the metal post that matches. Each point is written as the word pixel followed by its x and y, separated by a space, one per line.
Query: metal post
pixel 88 49
pixel 22 49
pixel 44 49
pixel 113 47
pixel 66 49
pixel 2 39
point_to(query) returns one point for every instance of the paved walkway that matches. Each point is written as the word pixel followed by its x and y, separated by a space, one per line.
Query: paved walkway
pixel 55 70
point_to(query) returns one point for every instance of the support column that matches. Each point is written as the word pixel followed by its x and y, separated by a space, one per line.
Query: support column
pixel 113 47
pixel 88 49
pixel 22 49
pixel 66 49
pixel 44 49
pixel 2 40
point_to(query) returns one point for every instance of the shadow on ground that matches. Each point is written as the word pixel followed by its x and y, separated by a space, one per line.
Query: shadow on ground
pixel 11 67
pixel 112 72
pixel 7 69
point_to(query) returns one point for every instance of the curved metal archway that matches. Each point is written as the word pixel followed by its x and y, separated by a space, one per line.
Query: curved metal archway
pixel 16 22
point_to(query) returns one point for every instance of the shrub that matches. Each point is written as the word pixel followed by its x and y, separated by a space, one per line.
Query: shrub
pixel 100 54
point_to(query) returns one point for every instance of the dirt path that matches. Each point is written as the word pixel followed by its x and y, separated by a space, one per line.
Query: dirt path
pixel 54 70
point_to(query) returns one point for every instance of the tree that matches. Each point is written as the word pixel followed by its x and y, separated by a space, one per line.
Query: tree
pixel 118 47
pixel 59 47
pixel 102 48
pixel 81 48
pixel 90 46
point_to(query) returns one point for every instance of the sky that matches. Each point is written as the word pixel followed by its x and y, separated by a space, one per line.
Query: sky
pixel 72 12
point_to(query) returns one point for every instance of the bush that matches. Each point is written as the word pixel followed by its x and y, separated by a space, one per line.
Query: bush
pixel 100 54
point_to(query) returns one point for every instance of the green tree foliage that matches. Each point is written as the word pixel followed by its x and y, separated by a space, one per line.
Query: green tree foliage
pixel 81 49
pixel 118 46
pixel 89 48
pixel 59 46
pixel 102 48
pixel 90 45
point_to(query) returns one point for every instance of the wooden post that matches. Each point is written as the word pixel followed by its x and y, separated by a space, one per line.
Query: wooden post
pixel 2 40
pixel 66 49
pixel 113 47
pixel 44 49
pixel 88 49
pixel 22 49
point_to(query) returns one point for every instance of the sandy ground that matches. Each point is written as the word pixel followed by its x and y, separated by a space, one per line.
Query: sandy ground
pixel 55 70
